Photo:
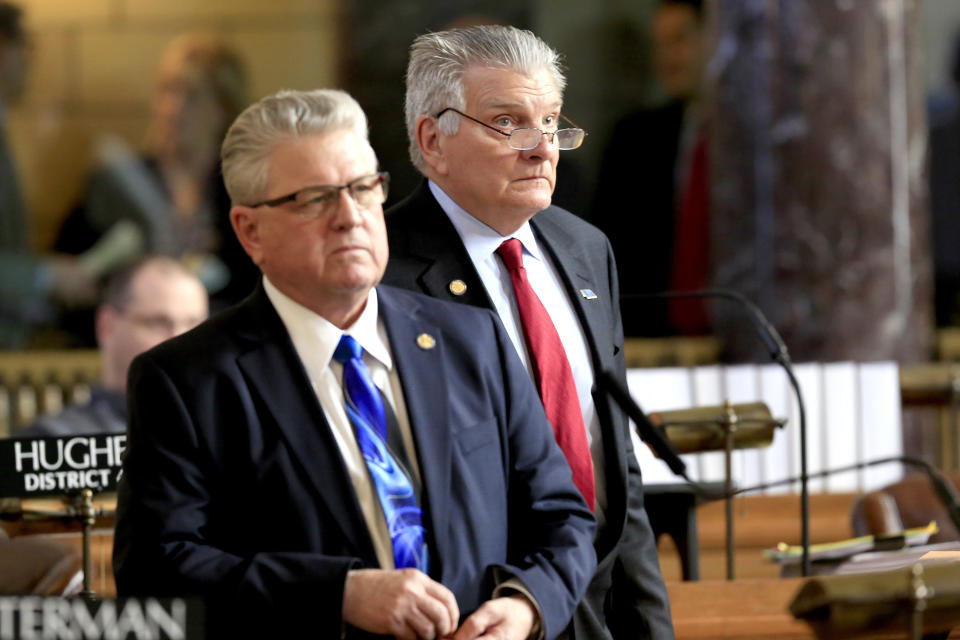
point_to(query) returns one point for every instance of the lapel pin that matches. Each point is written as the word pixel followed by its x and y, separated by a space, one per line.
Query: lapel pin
pixel 425 341
pixel 457 287
pixel 588 294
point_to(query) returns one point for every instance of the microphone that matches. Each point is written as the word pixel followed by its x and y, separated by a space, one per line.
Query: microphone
pixel 780 355
pixel 648 433
pixel 943 488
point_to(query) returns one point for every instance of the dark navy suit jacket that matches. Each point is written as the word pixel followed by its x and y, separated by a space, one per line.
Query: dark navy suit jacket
pixel 627 597
pixel 234 488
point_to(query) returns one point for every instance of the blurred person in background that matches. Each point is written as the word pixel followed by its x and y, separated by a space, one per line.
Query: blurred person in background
pixel 14 66
pixel 32 286
pixel 651 197
pixel 170 199
pixel 145 303
pixel 945 198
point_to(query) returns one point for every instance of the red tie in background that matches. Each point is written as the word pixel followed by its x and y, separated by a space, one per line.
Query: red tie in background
pixel 691 246
pixel 552 372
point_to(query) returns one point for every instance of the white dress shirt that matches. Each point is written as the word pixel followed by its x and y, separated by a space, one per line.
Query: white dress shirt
pixel 481 243
pixel 315 339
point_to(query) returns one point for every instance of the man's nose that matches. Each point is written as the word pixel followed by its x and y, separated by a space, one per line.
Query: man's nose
pixel 545 147
pixel 348 211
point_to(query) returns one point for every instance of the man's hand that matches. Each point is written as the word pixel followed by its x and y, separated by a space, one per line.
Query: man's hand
pixel 73 285
pixel 507 618
pixel 404 603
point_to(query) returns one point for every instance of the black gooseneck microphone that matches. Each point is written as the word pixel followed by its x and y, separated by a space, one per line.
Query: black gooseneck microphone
pixel 942 487
pixel 648 433
pixel 779 354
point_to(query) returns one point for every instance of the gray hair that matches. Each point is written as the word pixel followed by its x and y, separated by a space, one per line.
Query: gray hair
pixel 438 61
pixel 282 116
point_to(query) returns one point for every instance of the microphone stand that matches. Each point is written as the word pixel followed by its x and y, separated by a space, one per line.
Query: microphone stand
pixel 779 354
pixel 88 517
pixel 79 508
pixel 729 422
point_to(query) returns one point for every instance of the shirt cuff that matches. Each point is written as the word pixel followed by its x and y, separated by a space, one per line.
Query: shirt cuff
pixel 514 585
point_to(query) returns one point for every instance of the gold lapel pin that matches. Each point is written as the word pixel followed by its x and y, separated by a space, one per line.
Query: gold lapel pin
pixel 425 341
pixel 588 294
pixel 457 287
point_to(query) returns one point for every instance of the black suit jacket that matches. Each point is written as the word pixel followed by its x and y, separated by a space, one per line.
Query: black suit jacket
pixel 627 597
pixel 635 206
pixel 234 488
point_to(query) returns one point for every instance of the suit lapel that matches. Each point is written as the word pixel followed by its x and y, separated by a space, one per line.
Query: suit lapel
pixel 577 277
pixel 276 374
pixel 420 367
pixel 438 257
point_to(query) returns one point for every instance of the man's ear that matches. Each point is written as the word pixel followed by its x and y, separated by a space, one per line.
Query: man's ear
pixel 105 323
pixel 428 138
pixel 246 224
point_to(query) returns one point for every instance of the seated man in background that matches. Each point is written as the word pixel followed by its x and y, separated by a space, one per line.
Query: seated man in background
pixel 144 304
pixel 336 458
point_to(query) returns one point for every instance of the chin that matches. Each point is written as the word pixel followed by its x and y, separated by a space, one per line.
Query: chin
pixel 535 202
pixel 530 190
pixel 355 278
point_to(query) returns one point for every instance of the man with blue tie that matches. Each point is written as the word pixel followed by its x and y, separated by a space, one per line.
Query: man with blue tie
pixel 334 457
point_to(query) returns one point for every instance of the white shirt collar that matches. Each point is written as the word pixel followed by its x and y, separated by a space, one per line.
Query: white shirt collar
pixel 480 240
pixel 312 334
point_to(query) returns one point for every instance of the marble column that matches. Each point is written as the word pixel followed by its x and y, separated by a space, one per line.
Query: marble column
pixel 818 183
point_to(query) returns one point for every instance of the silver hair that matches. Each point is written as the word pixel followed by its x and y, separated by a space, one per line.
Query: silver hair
pixel 438 61
pixel 282 116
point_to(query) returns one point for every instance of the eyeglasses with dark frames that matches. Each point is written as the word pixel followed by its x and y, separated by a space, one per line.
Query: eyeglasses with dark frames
pixel 157 322
pixel 526 138
pixel 315 202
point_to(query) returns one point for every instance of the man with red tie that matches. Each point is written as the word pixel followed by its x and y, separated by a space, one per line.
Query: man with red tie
pixel 483 112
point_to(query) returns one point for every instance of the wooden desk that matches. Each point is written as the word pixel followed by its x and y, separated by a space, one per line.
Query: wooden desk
pixel 760 523
pixel 738 609
pixel 741 610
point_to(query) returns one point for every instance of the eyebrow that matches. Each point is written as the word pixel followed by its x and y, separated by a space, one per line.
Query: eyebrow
pixel 512 106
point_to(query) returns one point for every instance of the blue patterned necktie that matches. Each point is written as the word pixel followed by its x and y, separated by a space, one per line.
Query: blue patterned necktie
pixel 366 412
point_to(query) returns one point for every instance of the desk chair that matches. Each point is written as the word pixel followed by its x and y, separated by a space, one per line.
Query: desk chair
pixel 906 504
pixel 34 565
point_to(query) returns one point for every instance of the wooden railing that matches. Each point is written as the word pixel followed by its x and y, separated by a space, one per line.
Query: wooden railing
pixel 671 352
pixel 33 383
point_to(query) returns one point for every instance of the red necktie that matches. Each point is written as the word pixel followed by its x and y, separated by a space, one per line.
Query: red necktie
pixel 551 371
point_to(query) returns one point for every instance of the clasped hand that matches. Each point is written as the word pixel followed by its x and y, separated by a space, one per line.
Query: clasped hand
pixel 407 604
